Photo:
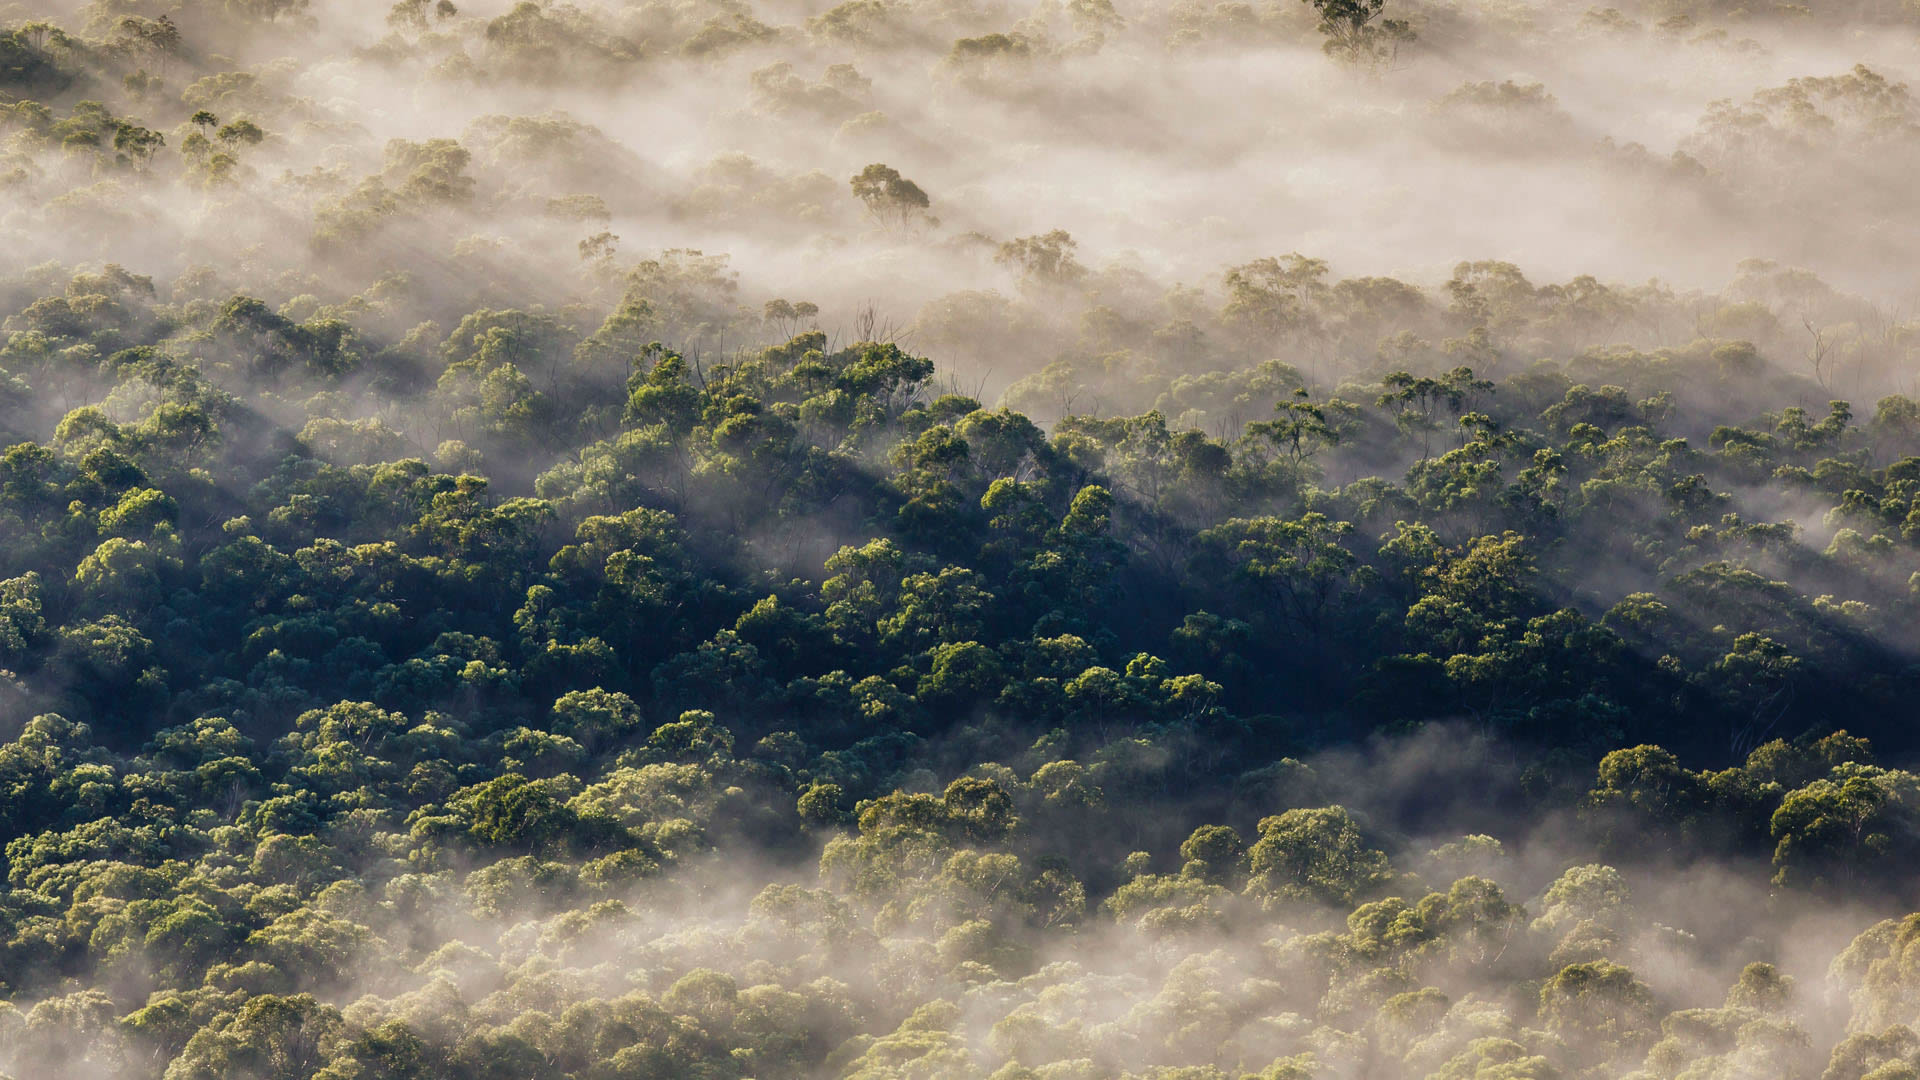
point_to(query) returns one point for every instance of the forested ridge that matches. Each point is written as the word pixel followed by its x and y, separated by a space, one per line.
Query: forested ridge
pixel 708 540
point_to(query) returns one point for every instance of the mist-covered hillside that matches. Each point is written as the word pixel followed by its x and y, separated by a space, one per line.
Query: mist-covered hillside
pixel 948 539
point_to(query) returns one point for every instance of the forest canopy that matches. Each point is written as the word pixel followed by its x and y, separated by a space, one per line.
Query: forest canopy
pixel 941 539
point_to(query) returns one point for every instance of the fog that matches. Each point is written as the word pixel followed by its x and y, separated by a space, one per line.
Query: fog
pixel 1629 144
pixel 953 539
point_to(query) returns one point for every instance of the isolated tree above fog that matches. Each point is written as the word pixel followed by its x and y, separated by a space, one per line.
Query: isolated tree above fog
pixel 1357 32
pixel 890 199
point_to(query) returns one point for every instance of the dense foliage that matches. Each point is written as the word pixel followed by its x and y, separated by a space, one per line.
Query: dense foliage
pixel 333 760
pixel 435 644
